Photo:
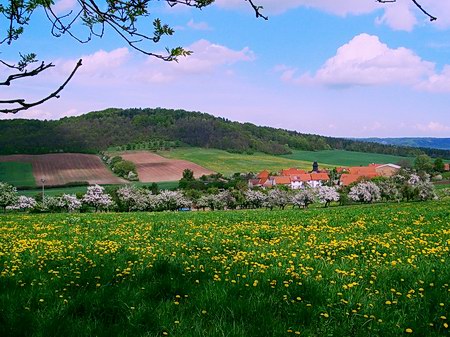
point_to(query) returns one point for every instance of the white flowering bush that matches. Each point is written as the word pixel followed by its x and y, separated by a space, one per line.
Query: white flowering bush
pixel 69 202
pixel 255 199
pixel 276 198
pixel 172 200
pixel 327 194
pixel 8 195
pixel 426 191
pixel 390 191
pixel 365 191
pixel 97 198
pixel 304 198
pixel 23 204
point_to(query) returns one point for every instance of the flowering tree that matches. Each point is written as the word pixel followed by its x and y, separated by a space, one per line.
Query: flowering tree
pixel 276 198
pixel 23 203
pixel 97 198
pixel 8 195
pixel 304 198
pixel 365 191
pixel 135 199
pixel 255 198
pixel 172 200
pixel 69 202
pixel 389 190
pixel 327 194
pixel 426 191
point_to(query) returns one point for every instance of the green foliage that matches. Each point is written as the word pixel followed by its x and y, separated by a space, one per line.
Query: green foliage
pixel 439 165
pixel 423 163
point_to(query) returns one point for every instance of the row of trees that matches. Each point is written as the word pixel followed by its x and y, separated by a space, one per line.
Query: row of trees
pixel 132 198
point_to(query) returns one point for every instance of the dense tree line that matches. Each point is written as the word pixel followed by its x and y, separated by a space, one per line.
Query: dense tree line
pixel 96 131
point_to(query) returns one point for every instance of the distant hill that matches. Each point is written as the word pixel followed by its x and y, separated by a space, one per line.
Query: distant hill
pixel 429 143
pixel 99 130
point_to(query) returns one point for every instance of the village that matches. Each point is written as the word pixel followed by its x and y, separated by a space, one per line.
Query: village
pixel 294 178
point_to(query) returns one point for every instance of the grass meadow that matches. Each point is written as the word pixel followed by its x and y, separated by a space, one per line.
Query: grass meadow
pixel 228 163
pixel 17 174
pixel 345 158
pixel 375 270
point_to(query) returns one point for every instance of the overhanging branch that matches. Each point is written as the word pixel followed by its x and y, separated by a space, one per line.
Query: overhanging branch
pixel 23 105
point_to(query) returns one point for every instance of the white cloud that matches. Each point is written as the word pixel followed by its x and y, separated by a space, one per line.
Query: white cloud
pixel 198 25
pixel 277 6
pixel 437 82
pixel 64 6
pixel 434 127
pixel 367 61
pixel 401 15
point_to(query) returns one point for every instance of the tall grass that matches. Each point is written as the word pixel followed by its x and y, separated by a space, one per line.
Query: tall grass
pixel 351 271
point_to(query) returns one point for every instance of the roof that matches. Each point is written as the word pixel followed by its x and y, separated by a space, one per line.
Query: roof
pixel 362 170
pixel 292 172
pixel 282 180
pixel 389 165
pixel 447 167
pixel 320 176
pixel 347 179
pixel 263 174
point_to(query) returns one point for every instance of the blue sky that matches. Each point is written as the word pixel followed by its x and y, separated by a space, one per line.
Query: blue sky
pixel 351 68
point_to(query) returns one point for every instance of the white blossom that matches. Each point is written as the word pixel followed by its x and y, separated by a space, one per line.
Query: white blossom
pixel 255 198
pixel 304 197
pixel 365 191
pixel 8 195
pixel 23 203
pixel 97 198
pixel 327 194
pixel 69 202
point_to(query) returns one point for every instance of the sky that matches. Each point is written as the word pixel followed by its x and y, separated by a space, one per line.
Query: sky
pixel 348 68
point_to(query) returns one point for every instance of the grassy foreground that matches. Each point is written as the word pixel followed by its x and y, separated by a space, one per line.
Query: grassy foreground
pixel 228 163
pixel 350 271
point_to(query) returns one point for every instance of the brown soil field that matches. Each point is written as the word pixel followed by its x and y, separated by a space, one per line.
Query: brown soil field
pixel 154 168
pixel 62 168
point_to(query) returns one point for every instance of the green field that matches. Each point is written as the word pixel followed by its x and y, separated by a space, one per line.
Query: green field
pixel 373 270
pixel 17 174
pixel 345 158
pixel 228 163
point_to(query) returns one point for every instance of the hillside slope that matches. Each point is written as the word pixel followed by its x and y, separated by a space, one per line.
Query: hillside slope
pixel 97 131
pixel 425 142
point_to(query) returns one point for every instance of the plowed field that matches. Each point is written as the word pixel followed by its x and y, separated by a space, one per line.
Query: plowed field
pixel 63 168
pixel 154 168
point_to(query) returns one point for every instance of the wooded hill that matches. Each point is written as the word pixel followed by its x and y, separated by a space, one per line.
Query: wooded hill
pixel 96 131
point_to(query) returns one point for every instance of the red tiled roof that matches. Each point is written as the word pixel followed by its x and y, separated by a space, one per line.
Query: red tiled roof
pixel 282 180
pixel 347 179
pixel 362 170
pixel 341 169
pixel 304 177
pixel 292 172
pixel 263 174
pixel 320 176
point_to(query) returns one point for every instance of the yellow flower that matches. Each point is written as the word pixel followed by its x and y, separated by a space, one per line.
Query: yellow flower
pixel 408 330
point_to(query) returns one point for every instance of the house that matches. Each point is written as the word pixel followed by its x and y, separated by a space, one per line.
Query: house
pixel 317 179
pixel 292 172
pixel 300 181
pixel 446 167
pixel 387 170
pixel 281 181
pixel 263 175
pixel 347 179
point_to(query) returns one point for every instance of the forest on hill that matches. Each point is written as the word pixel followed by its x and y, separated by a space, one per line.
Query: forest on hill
pixel 99 130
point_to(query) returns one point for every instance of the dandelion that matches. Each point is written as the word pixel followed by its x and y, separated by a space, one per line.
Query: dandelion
pixel 409 330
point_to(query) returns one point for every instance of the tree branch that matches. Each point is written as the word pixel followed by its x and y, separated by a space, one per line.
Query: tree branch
pixel 417 4
pixel 33 72
pixel 24 105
